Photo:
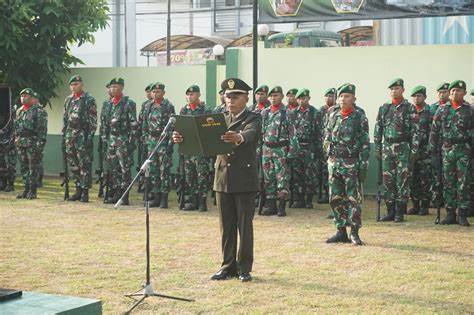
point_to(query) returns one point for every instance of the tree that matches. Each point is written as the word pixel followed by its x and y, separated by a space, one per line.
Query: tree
pixel 35 40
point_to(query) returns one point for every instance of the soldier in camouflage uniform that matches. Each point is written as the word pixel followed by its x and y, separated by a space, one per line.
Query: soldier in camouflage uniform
pixel 420 177
pixel 291 98
pixel 452 133
pixel 142 145
pixel 346 143
pixel 396 143
pixel 155 118
pixel 8 153
pixel 31 127
pixel 102 146
pixel 196 167
pixel 79 125
pixel 304 167
pixel 120 138
pixel 222 108
pixel 280 143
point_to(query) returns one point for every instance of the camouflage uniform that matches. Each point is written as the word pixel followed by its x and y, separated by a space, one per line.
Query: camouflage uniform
pixel 323 119
pixel 141 135
pixel 436 185
pixel 8 154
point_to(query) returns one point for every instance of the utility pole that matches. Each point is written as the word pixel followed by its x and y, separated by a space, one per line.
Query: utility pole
pixel 168 35
pixel 255 47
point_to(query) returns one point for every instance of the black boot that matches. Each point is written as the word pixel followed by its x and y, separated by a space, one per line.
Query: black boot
pixel 155 202
pixel 32 192
pixel 203 204
pixel 339 237
pixel 298 201
pixel 77 195
pixel 470 212
pixel 400 211
pixel 270 207
pixel 125 200
pixel 309 201
pixel 24 193
pixel 425 206
pixel 10 185
pixel 3 183
pixel 281 208
pixel 462 217
pixel 416 207
pixel 193 204
pixel 450 217
pixel 114 198
pixel 40 180
pixel 164 201
pixel 85 195
pixel 390 216
pixel 355 239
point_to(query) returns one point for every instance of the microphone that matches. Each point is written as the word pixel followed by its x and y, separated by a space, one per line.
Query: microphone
pixel 169 125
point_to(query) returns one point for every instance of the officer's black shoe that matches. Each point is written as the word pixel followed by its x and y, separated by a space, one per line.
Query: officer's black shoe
pixel 223 275
pixel 193 204
pixel 24 193
pixel 462 217
pixel 85 195
pixel 401 210
pixel 77 195
pixel 450 217
pixel 270 207
pixel 355 239
pixel 425 206
pixel 245 277
pixel 309 201
pixel 10 185
pixel 339 237
pixel 390 216
pixel 203 204
pixel 282 208
pixel 164 201
pixel 32 193
pixel 415 209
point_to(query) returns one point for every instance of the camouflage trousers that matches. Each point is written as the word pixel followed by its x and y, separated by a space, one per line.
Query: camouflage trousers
pixel 344 195
pixel 79 158
pixel 276 172
pixel 119 165
pixel 456 179
pixel 8 154
pixel 160 170
pixel 30 159
pixel 395 160
pixel 304 173
pixel 324 174
pixel 197 175
pixel 436 186
pixel 420 179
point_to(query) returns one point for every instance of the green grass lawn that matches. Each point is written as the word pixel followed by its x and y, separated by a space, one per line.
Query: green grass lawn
pixel 92 250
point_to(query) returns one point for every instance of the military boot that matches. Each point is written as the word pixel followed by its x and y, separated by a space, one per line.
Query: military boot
pixel 164 201
pixel 10 185
pixel 193 204
pixel 125 200
pixel 85 195
pixel 415 209
pixel 40 180
pixel 114 198
pixel 270 207
pixel 77 195
pixel 156 201
pixel 339 237
pixel 462 217
pixel 400 211
pixel 390 216
pixel 450 217
pixel 470 212
pixel 309 201
pixel 32 192
pixel 3 183
pixel 297 201
pixel 281 208
pixel 425 206
pixel 203 204
pixel 355 239
pixel 24 193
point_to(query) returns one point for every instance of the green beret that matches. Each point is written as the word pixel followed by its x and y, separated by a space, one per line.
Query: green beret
pixel 235 85
pixel 276 89
pixel 302 93
pixel 457 84
pixel 36 94
pixel 292 91
pixel 148 87
pixel 262 88
pixel 443 86
pixel 28 91
pixel 420 89
pixel 193 88
pixel 472 92
pixel 396 82
pixel 158 86
pixel 75 78
pixel 347 88
pixel 119 81
pixel 107 85
pixel 330 91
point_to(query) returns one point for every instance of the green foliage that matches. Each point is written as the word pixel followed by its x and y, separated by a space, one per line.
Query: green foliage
pixel 35 40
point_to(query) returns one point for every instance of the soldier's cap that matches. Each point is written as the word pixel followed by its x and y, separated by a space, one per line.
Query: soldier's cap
pixel 347 88
pixel 457 84
pixel 36 94
pixel 28 91
pixel 276 89
pixel 292 91
pixel 330 91
pixel 75 78
pixel 262 88
pixel 420 89
pixel 193 88
pixel 443 86
pixel 119 81
pixel 157 86
pixel 472 92
pixel 235 85
pixel 148 87
pixel 396 82
pixel 302 93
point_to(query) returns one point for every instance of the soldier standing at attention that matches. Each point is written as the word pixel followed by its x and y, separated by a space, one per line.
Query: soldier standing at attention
pixel 346 143
pixel 222 107
pixel 291 98
pixel 396 143
pixel 261 99
pixel 452 133
pixel 8 152
pixel 121 124
pixel 421 173
pixel 31 128
pixel 196 167
pixel 280 143
pixel 142 145
pixel 79 125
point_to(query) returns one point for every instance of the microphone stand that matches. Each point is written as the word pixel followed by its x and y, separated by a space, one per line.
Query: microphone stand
pixel 145 168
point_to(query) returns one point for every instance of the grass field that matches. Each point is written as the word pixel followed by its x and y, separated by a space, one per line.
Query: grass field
pixel 92 250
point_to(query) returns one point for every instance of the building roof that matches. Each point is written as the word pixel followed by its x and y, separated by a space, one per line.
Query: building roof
pixel 183 42
pixel 246 40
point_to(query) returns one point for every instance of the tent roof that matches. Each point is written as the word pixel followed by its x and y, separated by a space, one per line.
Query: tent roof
pixel 183 42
